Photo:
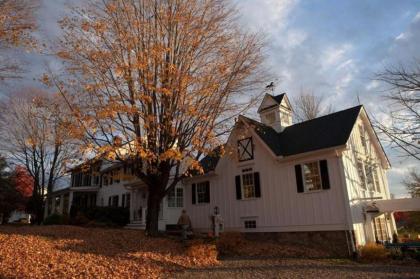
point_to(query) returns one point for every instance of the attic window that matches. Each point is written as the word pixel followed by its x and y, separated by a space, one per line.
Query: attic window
pixel 245 149
pixel 285 118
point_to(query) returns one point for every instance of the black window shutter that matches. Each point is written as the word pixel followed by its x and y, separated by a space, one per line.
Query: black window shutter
pixel 257 184
pixel 299 181
pixel 193 193
pixel 324 174
pixel 207 191
pixel 238 187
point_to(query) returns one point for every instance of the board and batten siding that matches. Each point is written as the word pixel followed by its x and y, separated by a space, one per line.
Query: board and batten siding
pixel 357 195
pixel 281 208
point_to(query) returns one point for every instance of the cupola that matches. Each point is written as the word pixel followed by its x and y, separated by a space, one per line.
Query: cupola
pixel 275 111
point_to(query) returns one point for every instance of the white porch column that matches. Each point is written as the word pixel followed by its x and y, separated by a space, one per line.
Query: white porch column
pixel 70 200
pixel 132 193
pixel 61 210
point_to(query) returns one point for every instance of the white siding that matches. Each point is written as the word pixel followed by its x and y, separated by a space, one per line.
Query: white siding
pixel 357 195
pixel 281 207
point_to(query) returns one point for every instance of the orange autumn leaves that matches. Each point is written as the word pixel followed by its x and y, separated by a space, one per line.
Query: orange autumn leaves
pixel 74 252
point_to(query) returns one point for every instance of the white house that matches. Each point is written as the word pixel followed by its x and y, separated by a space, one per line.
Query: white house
pixel 102 183
pixel 326 175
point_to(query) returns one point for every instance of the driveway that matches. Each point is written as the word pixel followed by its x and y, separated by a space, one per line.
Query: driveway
pixel 300 268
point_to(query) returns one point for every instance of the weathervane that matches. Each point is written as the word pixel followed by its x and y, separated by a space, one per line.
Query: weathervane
pixel 270 87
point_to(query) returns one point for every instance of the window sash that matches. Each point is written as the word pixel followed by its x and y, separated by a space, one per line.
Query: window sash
pixel 248 185
pixel 311 173
pixel 175 197
pixel 201 192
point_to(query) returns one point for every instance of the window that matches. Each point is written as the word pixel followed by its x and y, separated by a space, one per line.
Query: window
pixel 116 175
pixel 363 137
pixel 285 118
pixel 376 179
pixel 369 177
pixel 250 224
pixel 105 179
pixel 200 192
pixel 312 176
pixel 245 149
pixel 248 186
pixel 175 198
pixel 360 170
pixel 203 192
pixel 380 229
pixel 113 201
pixel 86 179
pixel 271 117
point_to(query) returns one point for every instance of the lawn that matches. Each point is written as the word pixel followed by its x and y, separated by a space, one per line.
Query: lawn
pixel 75 252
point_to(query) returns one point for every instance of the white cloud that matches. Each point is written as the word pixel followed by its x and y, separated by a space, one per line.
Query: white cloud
pixel 295 38
pixel 416 17
pixel 335 55
pixel 266 15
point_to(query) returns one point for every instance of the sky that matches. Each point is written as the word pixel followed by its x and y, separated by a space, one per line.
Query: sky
pixel 329 47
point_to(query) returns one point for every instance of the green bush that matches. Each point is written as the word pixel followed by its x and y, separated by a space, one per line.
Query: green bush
pixel 56 219
pixel 110 216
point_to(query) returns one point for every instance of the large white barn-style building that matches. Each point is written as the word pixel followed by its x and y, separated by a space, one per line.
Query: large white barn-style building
pixel 326 175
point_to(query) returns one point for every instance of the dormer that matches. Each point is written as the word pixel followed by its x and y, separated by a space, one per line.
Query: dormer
pixel 276 112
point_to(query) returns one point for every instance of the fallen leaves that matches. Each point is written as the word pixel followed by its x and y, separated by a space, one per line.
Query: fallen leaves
pixel 74 252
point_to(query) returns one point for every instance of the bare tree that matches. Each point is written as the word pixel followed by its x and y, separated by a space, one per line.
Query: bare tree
pixel 159 78
pixel 307 106
pixel 33 134
pixel 17 21
pixel 403 127
pixel 412 183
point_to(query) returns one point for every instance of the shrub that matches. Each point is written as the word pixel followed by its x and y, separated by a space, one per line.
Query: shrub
pixel 109 215
pixel 56 219
pixel 372 252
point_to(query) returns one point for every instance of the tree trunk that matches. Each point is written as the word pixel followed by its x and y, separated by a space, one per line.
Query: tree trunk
pixel 153 207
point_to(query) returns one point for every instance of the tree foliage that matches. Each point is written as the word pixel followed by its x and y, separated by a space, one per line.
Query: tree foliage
pixel 33 134
pixel 156 82
pixel 16 24
pixel 403 127
pixel 307 106
pixel 10 197
pixel 412 183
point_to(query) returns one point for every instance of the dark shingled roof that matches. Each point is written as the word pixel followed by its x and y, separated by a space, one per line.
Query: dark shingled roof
pixel 323 132
pixel 209 162
pixel 278 98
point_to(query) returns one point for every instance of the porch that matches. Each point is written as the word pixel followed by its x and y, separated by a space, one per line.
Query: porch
pixel 138 204
pixel 380 224
pixel 61 201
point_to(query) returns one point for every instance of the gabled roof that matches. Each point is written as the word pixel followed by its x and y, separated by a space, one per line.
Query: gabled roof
pixel 323 132
pixel 277 99
pixel 209 162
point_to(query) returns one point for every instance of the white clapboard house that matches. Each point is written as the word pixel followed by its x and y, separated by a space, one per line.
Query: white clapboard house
pixel 326 175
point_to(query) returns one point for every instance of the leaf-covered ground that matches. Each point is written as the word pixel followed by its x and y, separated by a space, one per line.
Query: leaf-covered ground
pixel 75 252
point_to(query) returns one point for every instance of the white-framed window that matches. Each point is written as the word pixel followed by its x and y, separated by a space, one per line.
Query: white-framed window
pixel 250 224
pixel 285 118
pixel 248 185
pixel 361 172
pixel 176 197
pixel 363 139
pixel 376 179
pixel 312 176
pixel 369 169
pixel 202 192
